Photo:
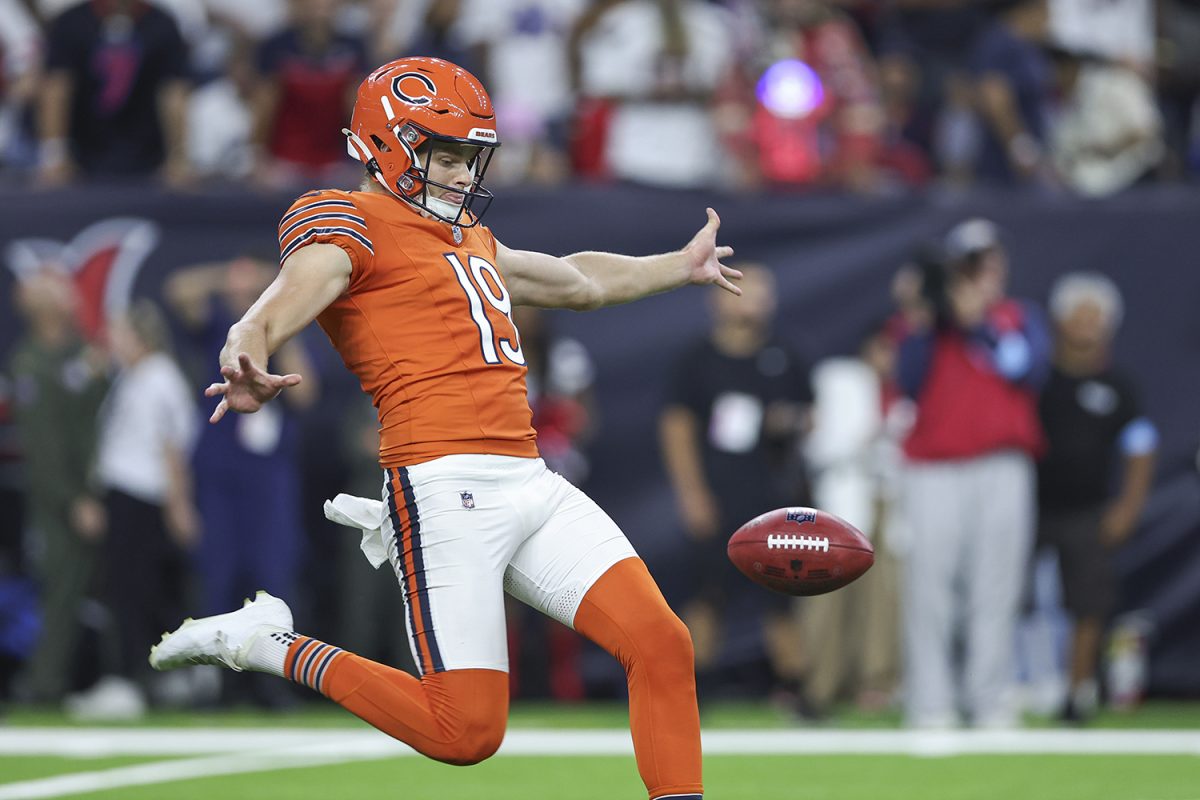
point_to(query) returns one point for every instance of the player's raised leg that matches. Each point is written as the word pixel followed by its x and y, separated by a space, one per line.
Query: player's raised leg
pixel 457 710
pixel 457 716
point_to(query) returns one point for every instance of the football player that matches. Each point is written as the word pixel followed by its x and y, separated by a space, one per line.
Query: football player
pixel 417 297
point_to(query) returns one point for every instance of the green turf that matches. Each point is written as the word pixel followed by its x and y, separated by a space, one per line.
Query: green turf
pixel 727 778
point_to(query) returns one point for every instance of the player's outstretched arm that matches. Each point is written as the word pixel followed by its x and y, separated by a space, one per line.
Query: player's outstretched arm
pixel 311 278
pixel 592 280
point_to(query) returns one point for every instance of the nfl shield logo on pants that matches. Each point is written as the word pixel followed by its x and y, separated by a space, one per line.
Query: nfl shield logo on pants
pixel 468 499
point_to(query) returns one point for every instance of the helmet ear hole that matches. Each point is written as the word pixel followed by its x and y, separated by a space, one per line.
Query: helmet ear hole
pixel 380 143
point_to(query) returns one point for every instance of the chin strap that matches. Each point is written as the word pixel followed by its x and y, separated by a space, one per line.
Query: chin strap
pixel 449 213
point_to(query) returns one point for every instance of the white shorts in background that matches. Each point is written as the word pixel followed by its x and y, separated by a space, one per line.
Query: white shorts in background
pixel 463 529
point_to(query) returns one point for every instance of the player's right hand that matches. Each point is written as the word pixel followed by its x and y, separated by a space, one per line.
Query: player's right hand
pixel 246 388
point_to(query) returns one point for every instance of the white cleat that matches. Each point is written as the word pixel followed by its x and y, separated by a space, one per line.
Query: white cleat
pixel 224 639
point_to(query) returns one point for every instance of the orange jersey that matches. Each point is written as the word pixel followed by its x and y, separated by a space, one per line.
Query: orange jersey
pixel 425 324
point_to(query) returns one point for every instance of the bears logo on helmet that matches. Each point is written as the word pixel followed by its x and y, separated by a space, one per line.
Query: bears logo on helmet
pixel 409 103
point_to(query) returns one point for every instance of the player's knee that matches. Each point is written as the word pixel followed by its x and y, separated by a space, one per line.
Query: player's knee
pixel 479 740
pixel 677 640
pixel 668 639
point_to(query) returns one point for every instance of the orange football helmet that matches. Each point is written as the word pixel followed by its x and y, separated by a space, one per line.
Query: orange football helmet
pixel 411 101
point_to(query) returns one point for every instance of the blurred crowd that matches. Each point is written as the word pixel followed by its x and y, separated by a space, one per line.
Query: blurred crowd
pixel 1085 96
pixel 964 434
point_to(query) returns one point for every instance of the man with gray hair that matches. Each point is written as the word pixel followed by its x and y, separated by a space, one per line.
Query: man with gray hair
pixel 1092 419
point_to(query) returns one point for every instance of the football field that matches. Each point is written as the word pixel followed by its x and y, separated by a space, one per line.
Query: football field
pixel 585 754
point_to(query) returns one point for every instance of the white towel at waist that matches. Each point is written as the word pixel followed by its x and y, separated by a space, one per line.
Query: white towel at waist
pixel 367 516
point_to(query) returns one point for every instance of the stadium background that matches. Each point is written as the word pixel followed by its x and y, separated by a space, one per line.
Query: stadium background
pixel 835 252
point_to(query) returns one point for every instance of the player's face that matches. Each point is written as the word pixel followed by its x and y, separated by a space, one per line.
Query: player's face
pixel 451 165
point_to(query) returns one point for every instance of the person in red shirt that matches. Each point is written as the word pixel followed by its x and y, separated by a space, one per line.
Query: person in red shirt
pixel 309 72
pixel 972 359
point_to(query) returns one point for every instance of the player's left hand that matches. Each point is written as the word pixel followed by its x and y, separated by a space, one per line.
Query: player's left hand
pixel 247 388
pixel 704 257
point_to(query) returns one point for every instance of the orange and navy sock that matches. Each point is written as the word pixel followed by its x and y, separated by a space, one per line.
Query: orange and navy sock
pixel 308 661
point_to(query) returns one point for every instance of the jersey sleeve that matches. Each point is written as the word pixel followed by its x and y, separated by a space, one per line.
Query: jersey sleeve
pixel 327 217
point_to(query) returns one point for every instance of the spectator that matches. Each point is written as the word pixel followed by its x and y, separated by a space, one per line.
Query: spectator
pixel 853 453
pixel 18 596
pixel 658 62
pixel 20 45
pixel 807 110
pixel 1178 84
pixel 924 48
pixel 736 407
pixel 1092 419
pixel 58 390
pixel 1108 134
pixel 219 112
pixel 12 484
pixel 309 75
pixel 422 27
pixel 114 98
pixel 247 477
pixel 1013 84
pixel 971 359
pixel 256 20
pixel 1120 31
pixel 147 426
pixel 522 49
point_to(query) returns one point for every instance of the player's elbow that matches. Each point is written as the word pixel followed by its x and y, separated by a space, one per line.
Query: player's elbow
pixel 587 295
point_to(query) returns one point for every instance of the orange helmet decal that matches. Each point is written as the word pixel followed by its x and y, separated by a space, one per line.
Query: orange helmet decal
pixel 407 103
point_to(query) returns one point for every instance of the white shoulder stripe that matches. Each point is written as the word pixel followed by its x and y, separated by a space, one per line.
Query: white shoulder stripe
pixel 353 218
pixel 318 204
pixel 303 239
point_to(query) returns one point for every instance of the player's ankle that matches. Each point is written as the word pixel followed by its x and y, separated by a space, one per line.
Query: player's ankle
pixel 267 651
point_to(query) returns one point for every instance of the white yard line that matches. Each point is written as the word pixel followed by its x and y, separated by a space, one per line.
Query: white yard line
pixel 99 742
pixel 164 772
pixel 241 750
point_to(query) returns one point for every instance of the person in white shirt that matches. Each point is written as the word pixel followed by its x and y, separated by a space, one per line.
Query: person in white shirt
pixel 659 62
pixel 1108 133
pixel 854 456
pixel 522 50
pixel 147 426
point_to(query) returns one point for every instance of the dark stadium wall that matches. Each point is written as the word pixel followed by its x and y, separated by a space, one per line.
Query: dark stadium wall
pixel 835 257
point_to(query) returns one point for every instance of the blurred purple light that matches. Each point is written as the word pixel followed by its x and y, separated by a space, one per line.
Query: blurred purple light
pixel 790 89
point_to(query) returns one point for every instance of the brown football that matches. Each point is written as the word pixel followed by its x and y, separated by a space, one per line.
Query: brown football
pixel 800 551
